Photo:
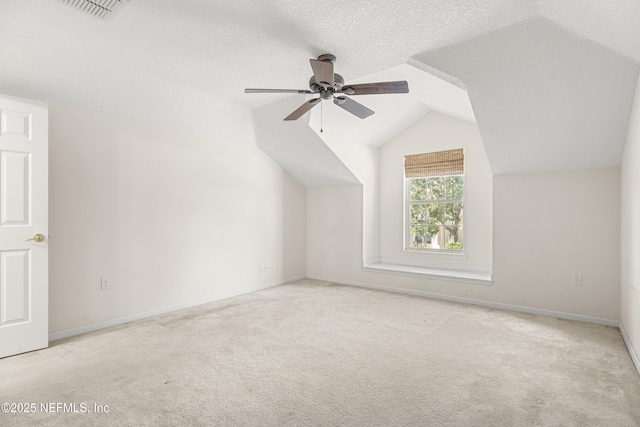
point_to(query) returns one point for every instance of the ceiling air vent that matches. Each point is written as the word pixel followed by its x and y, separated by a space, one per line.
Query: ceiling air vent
pixel 103 9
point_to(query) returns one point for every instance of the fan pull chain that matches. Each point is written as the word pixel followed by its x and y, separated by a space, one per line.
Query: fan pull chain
pixel 321 116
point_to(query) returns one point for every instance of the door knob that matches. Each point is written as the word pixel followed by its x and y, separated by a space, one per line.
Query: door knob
pixel 36 238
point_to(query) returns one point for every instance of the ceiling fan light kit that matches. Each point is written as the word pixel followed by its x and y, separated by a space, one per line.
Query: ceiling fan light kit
pixel 329 85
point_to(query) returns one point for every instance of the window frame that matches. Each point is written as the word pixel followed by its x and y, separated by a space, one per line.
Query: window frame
pixel 407 216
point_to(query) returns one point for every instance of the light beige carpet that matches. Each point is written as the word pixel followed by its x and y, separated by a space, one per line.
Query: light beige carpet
pixel 317 354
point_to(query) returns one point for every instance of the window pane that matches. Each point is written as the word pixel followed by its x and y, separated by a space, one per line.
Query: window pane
pixel 453 213
pixel 417 214
pixel 454 238
pixel 417 236
pixel 435 188
pixel 455 187
pixel 435 213
pixel 434 237
pixel 417 189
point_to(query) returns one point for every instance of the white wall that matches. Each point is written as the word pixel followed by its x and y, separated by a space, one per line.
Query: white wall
pixel 550 225
pixel 171 218
pixel 362 160
pixel 381 173
pixel 546 226
pixel 630 229
pixel 334 232
pixel 437 132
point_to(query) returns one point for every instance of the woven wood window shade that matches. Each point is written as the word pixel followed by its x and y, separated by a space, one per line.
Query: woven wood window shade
pixel 449 162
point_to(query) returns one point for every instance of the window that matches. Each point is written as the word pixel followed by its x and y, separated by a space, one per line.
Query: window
pixel 434 201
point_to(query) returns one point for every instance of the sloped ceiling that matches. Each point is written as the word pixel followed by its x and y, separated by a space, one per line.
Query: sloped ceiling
pixel 550 82
pixel 533 116
pixel 297 148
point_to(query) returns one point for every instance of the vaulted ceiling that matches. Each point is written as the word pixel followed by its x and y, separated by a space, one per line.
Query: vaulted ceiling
pixel 549 83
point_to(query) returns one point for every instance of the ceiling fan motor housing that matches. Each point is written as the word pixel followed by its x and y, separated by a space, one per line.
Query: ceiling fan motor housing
pixel 338 82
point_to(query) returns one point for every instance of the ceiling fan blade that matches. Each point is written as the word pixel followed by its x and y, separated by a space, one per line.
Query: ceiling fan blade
pixel 303 109
pixel 353 107
pixel 252 90
pixel 322 72
pixel 376 88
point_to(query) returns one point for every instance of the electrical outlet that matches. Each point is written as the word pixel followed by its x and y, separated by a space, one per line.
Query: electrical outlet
pixel 274 268
pixel 576 278
pixel 266 268
pixel 261 268
pixel 105 283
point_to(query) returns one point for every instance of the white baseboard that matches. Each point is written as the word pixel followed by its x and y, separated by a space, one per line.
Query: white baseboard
pixel 121 320
pixel 529 310
pixel 632 351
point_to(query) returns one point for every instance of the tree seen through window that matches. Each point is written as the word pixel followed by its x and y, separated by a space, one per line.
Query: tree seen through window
pixel 436 206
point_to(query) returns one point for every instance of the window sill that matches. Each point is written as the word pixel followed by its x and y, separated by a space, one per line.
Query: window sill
pixel 477 278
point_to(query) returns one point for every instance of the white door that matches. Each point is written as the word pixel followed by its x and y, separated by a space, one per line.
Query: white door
pixel 24 287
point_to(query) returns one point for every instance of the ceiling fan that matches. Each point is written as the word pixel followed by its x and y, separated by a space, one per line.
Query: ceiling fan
pixel 329 85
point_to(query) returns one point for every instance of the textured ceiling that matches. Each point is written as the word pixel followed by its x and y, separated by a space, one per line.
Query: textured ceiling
pixel 550 82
